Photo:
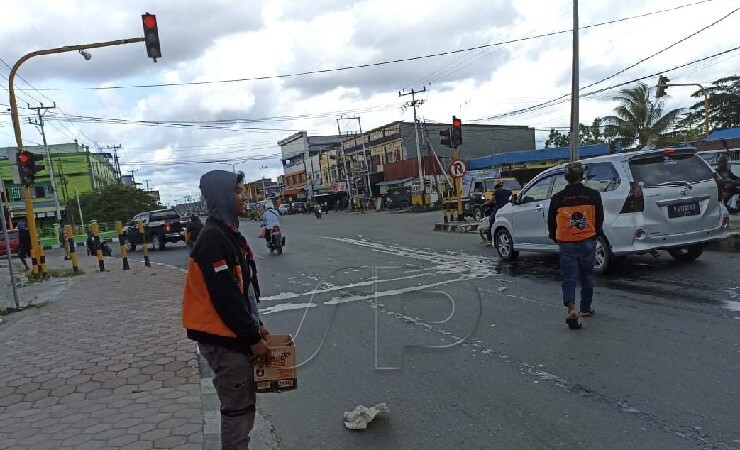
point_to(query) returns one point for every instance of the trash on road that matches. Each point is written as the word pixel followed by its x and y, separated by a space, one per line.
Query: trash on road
pixel 358 418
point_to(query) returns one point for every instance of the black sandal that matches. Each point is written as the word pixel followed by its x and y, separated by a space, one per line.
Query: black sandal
pixel 573 323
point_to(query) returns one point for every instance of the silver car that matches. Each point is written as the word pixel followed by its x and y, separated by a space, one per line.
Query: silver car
pixel 664 199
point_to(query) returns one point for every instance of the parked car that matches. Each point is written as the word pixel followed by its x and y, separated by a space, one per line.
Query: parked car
pixel 13 238
pixel 399 197
pixel 665 199
pixel 160 227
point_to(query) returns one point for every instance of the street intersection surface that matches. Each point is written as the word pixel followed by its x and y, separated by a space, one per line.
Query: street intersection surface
pixel 471 352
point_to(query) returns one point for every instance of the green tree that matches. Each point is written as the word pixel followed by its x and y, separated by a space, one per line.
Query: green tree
pixel 557 139
pixel 638 118
pixel 587 135
pixel 689 127
pixel 724 103
pixel 114 202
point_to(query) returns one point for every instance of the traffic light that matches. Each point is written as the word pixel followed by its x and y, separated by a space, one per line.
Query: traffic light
pixel 662 81
pixel 456 132
pixel 151 36
pixel 27 167
pixel 447 135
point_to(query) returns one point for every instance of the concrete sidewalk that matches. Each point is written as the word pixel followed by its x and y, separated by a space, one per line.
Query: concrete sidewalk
pixel 105 364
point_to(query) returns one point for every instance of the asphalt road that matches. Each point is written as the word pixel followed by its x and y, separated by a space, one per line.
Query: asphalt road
pixel 469 352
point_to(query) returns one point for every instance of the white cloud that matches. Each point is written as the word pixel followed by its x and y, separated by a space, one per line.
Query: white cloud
pixel 227 39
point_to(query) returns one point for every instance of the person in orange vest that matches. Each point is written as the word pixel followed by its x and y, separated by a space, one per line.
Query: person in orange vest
pixel 219 308
pixel 574 221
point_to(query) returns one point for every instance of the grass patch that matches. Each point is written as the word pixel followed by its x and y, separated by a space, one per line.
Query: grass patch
pixel 57 273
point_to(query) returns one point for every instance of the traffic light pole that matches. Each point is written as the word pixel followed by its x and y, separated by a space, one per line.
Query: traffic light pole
pixel 458 189
pixel 706 101
pixel 37 252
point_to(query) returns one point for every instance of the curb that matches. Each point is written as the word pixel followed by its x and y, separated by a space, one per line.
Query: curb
pixel 262 436
pixel 457 227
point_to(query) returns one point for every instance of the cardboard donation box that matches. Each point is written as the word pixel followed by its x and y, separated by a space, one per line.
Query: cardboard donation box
pixel 279 373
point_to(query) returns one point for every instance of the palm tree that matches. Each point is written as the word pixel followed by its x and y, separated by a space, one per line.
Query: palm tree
pixel 638 118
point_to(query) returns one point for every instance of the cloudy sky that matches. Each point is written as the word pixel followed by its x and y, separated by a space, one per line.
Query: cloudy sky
pixel 219 41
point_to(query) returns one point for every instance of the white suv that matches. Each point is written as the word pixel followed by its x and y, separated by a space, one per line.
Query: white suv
pixel 663 199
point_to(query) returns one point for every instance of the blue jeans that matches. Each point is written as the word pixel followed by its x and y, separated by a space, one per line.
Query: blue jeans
pixel 577 264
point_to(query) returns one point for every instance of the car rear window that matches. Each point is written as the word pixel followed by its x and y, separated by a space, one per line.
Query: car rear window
pixel 165 215
pixel 666 168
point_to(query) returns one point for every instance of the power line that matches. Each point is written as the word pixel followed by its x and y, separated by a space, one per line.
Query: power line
pixel 380 63
pixel 563 98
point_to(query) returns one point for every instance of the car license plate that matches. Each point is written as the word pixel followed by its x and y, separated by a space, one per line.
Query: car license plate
pixel 683 209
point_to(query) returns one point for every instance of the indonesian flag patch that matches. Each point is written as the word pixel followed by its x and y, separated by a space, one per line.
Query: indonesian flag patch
pixel 218 266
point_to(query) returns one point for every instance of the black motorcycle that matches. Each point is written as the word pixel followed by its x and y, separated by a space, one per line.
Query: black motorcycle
pixel 92 248
pixel 275 240
pixel 317 212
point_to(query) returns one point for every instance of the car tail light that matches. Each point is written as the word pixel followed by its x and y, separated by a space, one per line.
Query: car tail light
pixel 167 225
pixel 640 234
pixel 635 201
pixel 725 222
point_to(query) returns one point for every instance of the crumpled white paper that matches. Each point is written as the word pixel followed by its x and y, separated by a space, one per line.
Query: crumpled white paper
pixel 358 418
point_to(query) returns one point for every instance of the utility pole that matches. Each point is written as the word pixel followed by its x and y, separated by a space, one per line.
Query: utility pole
pixel 133 180
pixel 344 169
pixel 574 96
pixel 40 125
pixel 413 103
pixel 116 164
pixel 147 184
pixel 368 191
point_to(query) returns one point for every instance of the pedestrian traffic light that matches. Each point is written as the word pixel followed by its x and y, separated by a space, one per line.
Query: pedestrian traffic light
pixel 27 167
pixel 151 36
pixel 447 137
pixel 662 81
pixel 456 132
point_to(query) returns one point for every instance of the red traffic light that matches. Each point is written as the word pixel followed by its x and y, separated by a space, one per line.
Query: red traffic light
pixel 150 21
pixel 23 158
pixel 457 123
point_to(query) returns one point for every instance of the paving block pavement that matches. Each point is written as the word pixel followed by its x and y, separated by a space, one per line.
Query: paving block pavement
pixel 104 363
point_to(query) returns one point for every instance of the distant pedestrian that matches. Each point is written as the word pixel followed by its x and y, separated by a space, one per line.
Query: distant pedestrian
pixel 574 221
pixel 63 242
pixel 192 231
pixel 219 308
pixel 24 243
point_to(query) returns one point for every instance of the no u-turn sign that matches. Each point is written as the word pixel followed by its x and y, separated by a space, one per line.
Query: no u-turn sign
pixel 457 168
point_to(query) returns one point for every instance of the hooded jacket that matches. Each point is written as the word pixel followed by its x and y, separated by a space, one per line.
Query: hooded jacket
pixel 221 290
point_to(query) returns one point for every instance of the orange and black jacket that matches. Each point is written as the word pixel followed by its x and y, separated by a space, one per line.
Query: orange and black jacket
pixel 576 214
pixel 216 308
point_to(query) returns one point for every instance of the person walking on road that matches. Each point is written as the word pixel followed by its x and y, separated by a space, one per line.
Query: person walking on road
pixel 220 306
pixel 574 221
pixel 24 243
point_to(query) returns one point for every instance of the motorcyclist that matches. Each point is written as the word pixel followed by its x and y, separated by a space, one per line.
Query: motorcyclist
pixel 728 181
pixel 500 198
pixel 270 219
pixel 192 231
